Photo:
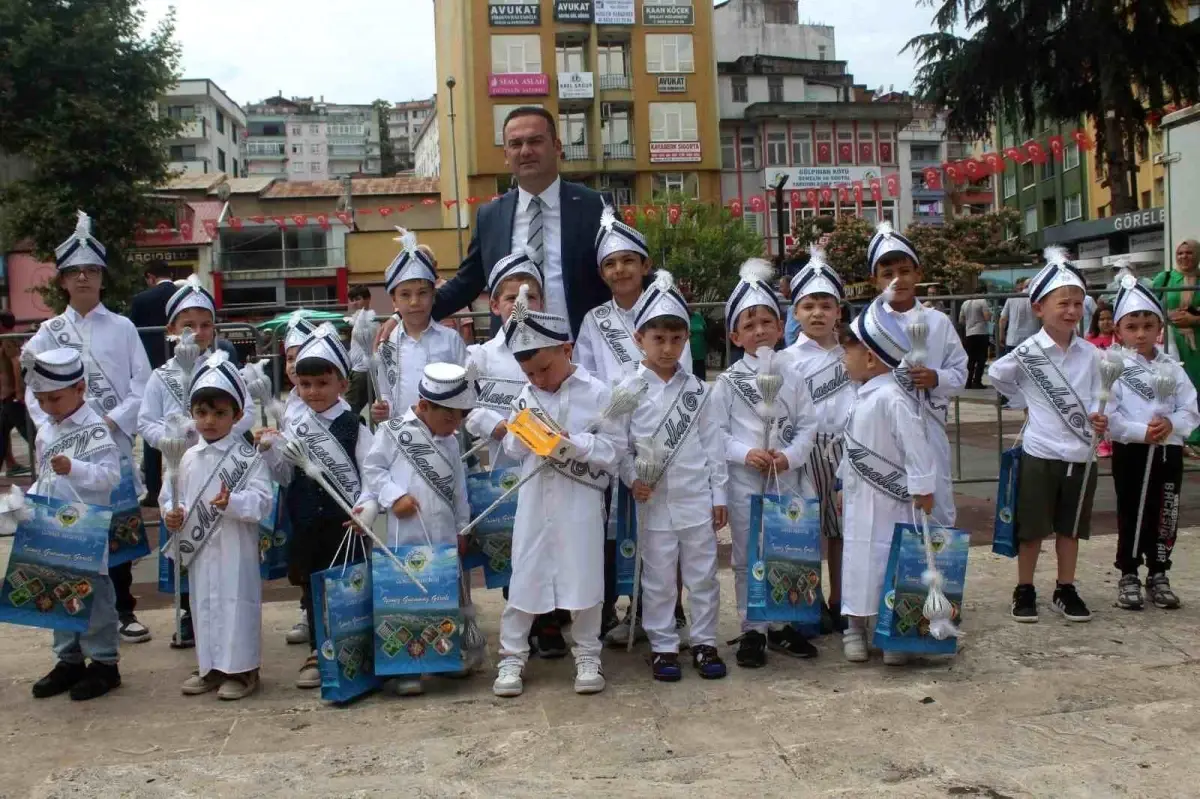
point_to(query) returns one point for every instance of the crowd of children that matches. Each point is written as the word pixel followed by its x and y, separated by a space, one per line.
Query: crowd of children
pixel 855 417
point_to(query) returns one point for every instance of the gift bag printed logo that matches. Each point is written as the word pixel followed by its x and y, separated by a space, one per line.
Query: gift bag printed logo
pixel 493 536
pixel 901 625
pixel 417 631
pixel 785 577
pixel 67 515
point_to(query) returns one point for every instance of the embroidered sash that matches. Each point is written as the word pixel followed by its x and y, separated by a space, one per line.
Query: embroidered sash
pixel 424 456
pixel 935 407
pixel 571 469
pixel 498 393
pixel 680 419
pixel 1137 379
pixel 743 386
pixel 172 378
pixel 234 471
pixel 389 364
pixel 886 477
pixel 77 444
pixel 329 453
pixel 616 335
pixel 827 381
pixel 1056 389
pixel 99 387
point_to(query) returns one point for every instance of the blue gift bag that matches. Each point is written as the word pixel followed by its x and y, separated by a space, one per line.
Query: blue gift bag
pixel 166 564
pixel 55 556
pixel 341 597
pixel 127 534
pixel 417 632
pixel 494 534
pixel 274 536
pixel 1004 537
pixel 901 625
pixel 626 542
pixel 783 581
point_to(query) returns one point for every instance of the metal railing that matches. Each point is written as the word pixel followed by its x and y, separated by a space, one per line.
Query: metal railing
pixel 577 152
pixel 615 80
pixel 618 152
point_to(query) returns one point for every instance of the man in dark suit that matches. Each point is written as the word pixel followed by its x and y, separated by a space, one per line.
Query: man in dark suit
pixel 149 309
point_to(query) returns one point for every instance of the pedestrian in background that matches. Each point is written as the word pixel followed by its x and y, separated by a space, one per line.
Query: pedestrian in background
pixel 974 316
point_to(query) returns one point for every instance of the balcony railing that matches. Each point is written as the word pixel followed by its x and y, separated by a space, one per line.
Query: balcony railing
pixel 347 152
pixel 929 219
pixel 265 150
pixel 276 259
pixel 193 129
pixel 577 152
pixel 615 80
pixel 618 152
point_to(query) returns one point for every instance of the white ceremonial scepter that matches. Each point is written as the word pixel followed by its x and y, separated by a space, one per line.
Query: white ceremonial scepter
pixel 1164 384
pixel 918 336
pixel 172 446
pixel 362 333
pixel 187 353
pixel 624 399
pixel 649 465
pixel 769 383
pixel 937 607
pixel 259 387
pixel 1111 366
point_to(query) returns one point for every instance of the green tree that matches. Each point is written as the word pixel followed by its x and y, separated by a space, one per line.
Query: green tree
pixel 79 85
pixel 845 247
pixel 703 250
pixel 387 152
pixel 1116 63
pixel 953 254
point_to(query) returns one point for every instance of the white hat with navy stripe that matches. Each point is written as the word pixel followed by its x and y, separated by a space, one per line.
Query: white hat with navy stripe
pixel 1058 272
pixel 81 248
pixel 190 294
pixel 448 385
pixel 661 298
pixel 1134 296
pixel 886 242
pixel 616 236
pixel 817 277
pixel 298 330
pixel 53 369
pixel 514 265
pixel 880 333
pixel 410 263
pixel 218 372
pixel 752 289
pixel 527 329
pixel 325 344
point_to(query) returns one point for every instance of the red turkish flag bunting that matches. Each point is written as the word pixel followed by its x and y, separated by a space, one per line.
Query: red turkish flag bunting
pixel 796 198
pixel 300 219
pixel 826 195
pixel 449 203
pixel 673 213
pixel 235 222
pixel 1035 152
pixel 472 200
pixel 258 220
pixel 323 221
pixel 844 194
pixel 1056 147
pixel 756 204
pixel 344 217
pixel 814 198
pixel 402 207
pixel 954 171
pixel 933 179
pixel 973 169
pixel 385 212
pixel 280 220
pixel 185 231
pixel 876 191
pixel 858 192
pixel 429 201
pixel 846 153
pixel 866 152
pixel 824 152
pixel 893 185
pixel 1082 139
pixel 630 215
pixel 995 163
pixel 885 152
pixel 1016 155
pixel 650 212
pixel 210 228
pixel 366 210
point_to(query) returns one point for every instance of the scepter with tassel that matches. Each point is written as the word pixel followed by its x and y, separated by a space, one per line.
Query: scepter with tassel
pixel 1164 389
pixel 1111 366
pixel 649 466
pixel 173 445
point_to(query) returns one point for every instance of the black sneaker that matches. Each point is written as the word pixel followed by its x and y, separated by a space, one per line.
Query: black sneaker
pixel 133 631
pixel 832 620
pixel 666 667
pixel 101 678
pixel 550 642
pixel 790 642
pixel 752 650
pixel 1024 604
pixel 60 680
pixel 1067 602
pixel 188 639
pixel 608 620
pixel 708 662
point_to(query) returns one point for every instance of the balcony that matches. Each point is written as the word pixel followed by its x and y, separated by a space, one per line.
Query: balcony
pixel 921 192
pixel 193 129
pixel 925 163
pixel 618 152
pixel 929 219
pixel 577 152
pixel 275 263
pixel 190 166
pixel 346 151
pixel 615 80
pixel 256 151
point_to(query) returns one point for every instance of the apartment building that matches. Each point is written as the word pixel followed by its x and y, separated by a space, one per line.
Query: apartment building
pixel 306 139
pixel 926 144
pixel 210 138
pixel 427 155
pixel 404 123
pixel 632 84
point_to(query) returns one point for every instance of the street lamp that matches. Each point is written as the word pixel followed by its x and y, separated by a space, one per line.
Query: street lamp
pixel 779 214
pixel 450 83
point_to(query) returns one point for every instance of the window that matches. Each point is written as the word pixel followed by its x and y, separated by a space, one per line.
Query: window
pixel 1048 169
pixel 1049 212
pixel 673 122
pixel 1028 177
pixel 297 149
pixel 220 122
pixel 728 153
pixel 314 130
pixel 516 54
pixel 1030 224
pixel 1102 212
pixel 314 149
pixel 183 152
pixel 669 52
pixel 1146 201
pixel 1070 156
pixel 741 93
pixel 887 152
pixel 315 166
pixel 821 49
pixel 845 147
pixel 235 169
pixel 297 166
pixel 310 295
pixel 182 113
pixel 801 149
pixel 824 147
pixel 499 112
pixel 1073 207
pixel 1159 190
pixel 1193 10
pixel 615 126
pixel 611 59
pixel 753 221
pixel 866 147
pixel 572 129
pixel 749 153
pixel 685 182
pixel 220 160
pixel 775 89
pixel 296 130
pixel 777 149
pixel 1010 185
pixel 569 58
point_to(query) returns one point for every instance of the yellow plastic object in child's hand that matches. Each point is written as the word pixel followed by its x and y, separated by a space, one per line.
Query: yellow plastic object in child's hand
pixel 535 434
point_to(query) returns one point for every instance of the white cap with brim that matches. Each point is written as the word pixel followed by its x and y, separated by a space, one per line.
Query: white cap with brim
pixel 528 330
pixel 752 289
pixel 1057 272
pixel 616 236
pixel 217 372
pixel 447 385
pixel 410 263
pixel 817 277
pixel 1133 297
pixel 886 242
pixel 516 264
pixel 325 344
pixel 660 299
pixel 298 331
pixel 81 248
pixel 880 333
pixel 190 295
pixel 52 370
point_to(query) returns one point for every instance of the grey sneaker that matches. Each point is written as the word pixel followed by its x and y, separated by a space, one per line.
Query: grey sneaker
pixel 1159 588
pixel 1129 593
pixel 298 634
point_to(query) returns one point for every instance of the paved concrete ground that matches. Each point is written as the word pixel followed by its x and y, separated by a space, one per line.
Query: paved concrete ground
pixel 1056 710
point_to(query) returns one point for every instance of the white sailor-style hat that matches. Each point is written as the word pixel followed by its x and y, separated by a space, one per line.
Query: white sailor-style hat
pixel 887 241
pixel 752 289
pixel 513 265
pixel 448 385
pixel 298 331
pixel 1134 296
pixel 817 277
pixel 532 330
pixel 661 298
pixel 218 372
pixel 190 294
pixel 410 263
pixel 880 333
pixel 1058 272
pixel 81 248
pixel 615 236
pixel 53 369
pixel 326 345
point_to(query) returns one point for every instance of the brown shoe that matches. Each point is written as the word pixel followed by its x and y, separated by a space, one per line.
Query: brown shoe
pixel 239 686
pixel 197 684
pixel 310 673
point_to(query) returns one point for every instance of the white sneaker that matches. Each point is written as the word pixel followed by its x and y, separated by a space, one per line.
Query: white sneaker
pixel 589 676
pixel 408 686
pixel 299 633
pixel 508 681
pixel 854 645
pixel 895 658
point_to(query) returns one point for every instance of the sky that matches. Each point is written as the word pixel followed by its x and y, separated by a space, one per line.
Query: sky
pixel 356 51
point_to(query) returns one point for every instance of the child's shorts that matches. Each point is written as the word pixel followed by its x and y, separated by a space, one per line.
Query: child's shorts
pixel 1049 497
